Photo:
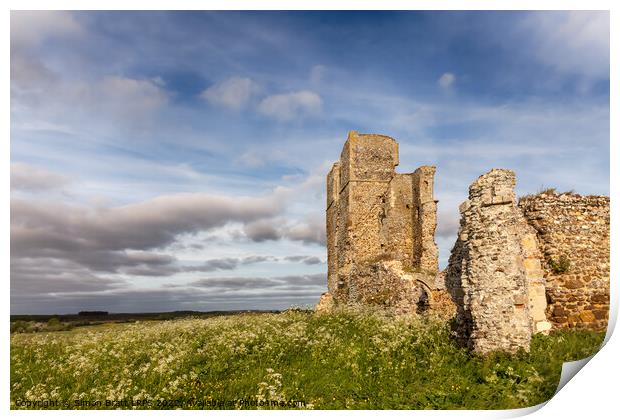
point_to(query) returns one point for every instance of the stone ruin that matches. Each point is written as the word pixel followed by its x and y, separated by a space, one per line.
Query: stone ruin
pixel 380 229
pixel 517 268
pixel 494 273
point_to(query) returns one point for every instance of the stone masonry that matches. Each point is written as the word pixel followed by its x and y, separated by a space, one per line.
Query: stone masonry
pixel 380 225
pixel 515 269
pixel 495 289
pixel 574 229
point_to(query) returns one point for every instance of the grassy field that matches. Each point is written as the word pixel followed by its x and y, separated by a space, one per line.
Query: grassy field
pixel 349 359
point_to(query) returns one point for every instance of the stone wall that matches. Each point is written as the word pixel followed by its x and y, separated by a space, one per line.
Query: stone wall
pixel 574 229
pixel 486 274
pixel 515 269
pixel 534 276
pixel 396 229
pixel 333 191
pixel 375 215
pixel 519 270
pixel 366 168
pixel 425 252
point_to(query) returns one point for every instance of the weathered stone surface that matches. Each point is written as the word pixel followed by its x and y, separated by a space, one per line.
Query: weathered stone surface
pixel 387 284
pixel 425 253
pixel 576 228
pixel 333 192
pixel 377 216
pixel 587 316
pixel 395 219
pixel 543 327
pixel 534 276
pixel 515 270
pixel 326 303
pixel 487 275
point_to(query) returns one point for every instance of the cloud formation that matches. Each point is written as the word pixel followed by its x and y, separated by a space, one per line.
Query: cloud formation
pixel 288 106
pixel 309 230
pixel 572 42
pixel 83 104
pixel 233 93
pixel 145 225
pixel 446 80
pixel 214 293
pixel 262 230
pixel 137 95
pixel 306 259
pixel 111 102
pixel 121 239
pixel 29 27
pixel 25 177
pixel 50 276
pixel 294 282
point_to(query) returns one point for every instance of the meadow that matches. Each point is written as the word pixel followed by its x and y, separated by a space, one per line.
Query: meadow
pixel 350 359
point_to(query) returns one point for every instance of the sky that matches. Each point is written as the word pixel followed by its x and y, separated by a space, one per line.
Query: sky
pixel 168 161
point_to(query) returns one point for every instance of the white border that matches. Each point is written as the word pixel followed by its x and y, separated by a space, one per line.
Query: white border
pixel 591 394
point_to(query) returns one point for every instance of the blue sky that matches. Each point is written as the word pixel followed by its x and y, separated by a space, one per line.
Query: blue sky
pixel 169 161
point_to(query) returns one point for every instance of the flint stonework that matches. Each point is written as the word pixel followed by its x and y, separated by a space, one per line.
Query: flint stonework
pixel 516 269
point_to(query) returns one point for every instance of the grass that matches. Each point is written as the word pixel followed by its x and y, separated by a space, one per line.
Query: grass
pixel 347 359
pixel 53 324
pixel 545 190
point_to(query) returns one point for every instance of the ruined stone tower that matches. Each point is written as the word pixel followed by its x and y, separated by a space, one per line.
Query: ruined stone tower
pixel 375 214
pixel 516 268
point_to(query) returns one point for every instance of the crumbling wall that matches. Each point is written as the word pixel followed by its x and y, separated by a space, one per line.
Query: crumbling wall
pixel 573 232
pixel 425 252
pixel 387 284
pixel 486 274
pixel 513 268
pixel 331 216
pixel 535 280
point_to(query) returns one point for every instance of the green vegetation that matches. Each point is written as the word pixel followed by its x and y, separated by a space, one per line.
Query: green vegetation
pixel 562 265
pixel 97 317
pixel 541 190
pixel 53 324
pixel 545 190
pixel 347 359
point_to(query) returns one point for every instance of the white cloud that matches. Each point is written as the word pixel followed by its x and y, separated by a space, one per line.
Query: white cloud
pixel 30 72
pixel 288 106
pixel 30 27
pixel 132 95
pixel 28 30
pixel 234 93
pixel 573 42
pixel 26 177
pixel 95 104
pixel 448 223
pixel 46 94
pixel 446 80
pixel 139 226
pixel 310 230
pixel 262 230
